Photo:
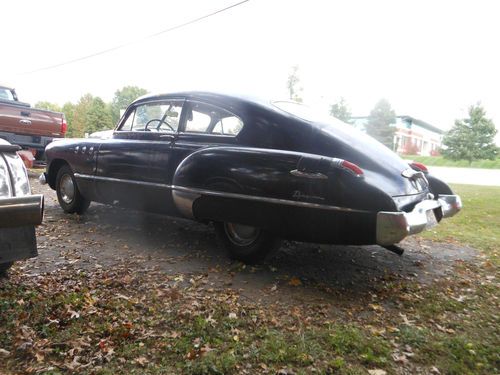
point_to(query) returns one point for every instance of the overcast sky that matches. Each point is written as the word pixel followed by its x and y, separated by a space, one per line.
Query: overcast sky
pixel 430 59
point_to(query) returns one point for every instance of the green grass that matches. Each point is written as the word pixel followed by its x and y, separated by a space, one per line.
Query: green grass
pixel 141 322
pixel 440 161
pixel 478 224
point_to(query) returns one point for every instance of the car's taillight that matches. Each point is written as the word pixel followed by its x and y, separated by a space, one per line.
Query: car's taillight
pixel 419 167
pixel 64 125
pixel 352 168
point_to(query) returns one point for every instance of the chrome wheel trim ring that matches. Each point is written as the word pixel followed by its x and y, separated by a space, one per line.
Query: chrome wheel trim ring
pixel 241 235
pixel 67 189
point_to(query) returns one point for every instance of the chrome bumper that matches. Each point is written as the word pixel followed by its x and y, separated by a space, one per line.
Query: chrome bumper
pixel 21 211
pixel 42 179
pixel 392 227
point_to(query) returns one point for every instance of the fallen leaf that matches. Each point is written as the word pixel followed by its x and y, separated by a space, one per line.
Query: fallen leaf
pixel 295 281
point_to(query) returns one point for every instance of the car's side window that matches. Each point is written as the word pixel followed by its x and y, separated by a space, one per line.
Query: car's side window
pixel 209 119
pixel 161 116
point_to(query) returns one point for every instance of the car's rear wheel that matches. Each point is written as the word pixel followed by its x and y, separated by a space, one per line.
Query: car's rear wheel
pixel 69 197
pixel 246 243
pixel 4 267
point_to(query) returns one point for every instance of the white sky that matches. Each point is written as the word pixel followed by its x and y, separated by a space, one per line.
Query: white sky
pixel 430 59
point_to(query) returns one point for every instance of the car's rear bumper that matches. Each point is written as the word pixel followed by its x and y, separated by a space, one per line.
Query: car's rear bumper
pixel 18 217
pixel 392 227
pixel 21 211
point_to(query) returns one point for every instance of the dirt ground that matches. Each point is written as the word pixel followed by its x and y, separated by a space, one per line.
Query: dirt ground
pixel 106 236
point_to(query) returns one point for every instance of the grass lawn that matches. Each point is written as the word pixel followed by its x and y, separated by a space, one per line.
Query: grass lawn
pixel 130 320
pixel 440 161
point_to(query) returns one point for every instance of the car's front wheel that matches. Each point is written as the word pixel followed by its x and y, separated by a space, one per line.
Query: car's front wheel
pixel 69 197
pixel 246 243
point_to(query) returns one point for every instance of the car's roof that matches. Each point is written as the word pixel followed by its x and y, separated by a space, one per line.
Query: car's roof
pixel 209 96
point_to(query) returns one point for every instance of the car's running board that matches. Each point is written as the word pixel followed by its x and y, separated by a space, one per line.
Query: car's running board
pixel 395 249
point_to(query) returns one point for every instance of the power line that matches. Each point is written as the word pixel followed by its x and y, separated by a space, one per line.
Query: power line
pixel 136 41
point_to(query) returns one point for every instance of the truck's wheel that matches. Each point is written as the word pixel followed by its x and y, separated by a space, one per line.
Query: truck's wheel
pixel 245 243
pixel 4 268
pixel 69 197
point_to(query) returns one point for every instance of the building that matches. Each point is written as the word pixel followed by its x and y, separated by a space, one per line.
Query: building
pixel 412 137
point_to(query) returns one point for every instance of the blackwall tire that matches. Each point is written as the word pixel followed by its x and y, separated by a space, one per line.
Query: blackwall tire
pixel 244 243
pixel 69 197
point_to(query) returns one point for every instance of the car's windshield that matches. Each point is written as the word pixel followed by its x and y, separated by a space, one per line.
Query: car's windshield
pixel 6 94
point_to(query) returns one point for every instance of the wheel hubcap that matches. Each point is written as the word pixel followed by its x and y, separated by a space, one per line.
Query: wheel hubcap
pixel 67 189
pixel 241 235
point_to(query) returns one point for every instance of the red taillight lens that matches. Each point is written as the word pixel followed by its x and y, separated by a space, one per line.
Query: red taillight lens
pixel 64 126
pixel 419 167
pixel 352 168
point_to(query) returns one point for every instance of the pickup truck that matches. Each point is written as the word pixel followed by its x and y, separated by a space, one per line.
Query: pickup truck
pixel 30 128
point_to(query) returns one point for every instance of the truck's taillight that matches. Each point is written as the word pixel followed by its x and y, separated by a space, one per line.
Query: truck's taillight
pixel 64 126
pixel 352 168
pixel 419 167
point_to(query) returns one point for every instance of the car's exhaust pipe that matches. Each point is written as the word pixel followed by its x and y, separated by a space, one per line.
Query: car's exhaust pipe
pixel 20 211
pixel 395 249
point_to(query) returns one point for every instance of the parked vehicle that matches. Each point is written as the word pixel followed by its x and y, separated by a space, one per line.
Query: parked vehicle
pixel 20 211
pixel 259 170
pixel 30 128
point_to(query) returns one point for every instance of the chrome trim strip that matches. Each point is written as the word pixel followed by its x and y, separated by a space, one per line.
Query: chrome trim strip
pixel 222 194
pixel 311 175
pixel 122 180
pixel 265 199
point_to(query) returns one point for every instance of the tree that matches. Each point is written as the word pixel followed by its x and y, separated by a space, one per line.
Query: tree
pixel 69 111
pixel 123 98
pixel 471 138
pixel 292 84
pixel 341 110
pixel 91 114
pixel 380 123
pixel 80 115
pixel 98 116
pixel 48 106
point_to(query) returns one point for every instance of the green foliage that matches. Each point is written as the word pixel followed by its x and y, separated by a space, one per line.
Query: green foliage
pixel 48 106
pixel 91 114
pixel 440 161
pixel 123 98
pixel 380 124
pixel 471 138
pixel 341 110
pixel 69 110
pixel 292 84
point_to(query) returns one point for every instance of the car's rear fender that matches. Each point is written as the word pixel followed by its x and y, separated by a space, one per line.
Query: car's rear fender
pixel 235 177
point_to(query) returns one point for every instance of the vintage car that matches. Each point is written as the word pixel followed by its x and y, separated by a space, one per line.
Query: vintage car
pixel 20 211
pixel 259 170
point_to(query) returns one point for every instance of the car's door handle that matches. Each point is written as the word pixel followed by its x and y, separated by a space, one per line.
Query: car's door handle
pixel 25 122
pixel 312 175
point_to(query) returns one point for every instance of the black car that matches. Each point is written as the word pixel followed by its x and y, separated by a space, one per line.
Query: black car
pixel 259 170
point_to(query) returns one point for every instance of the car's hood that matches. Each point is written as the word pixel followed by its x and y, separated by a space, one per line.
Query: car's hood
pixel 381 166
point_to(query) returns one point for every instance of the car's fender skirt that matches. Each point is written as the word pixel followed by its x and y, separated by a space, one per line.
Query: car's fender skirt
pixel 320 225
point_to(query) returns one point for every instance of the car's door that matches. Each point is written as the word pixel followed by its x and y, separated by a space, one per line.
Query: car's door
pixel 132 166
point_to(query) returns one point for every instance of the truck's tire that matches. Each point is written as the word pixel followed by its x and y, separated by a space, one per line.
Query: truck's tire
pixel 69 197
pixel 245 243
pixel 4 267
